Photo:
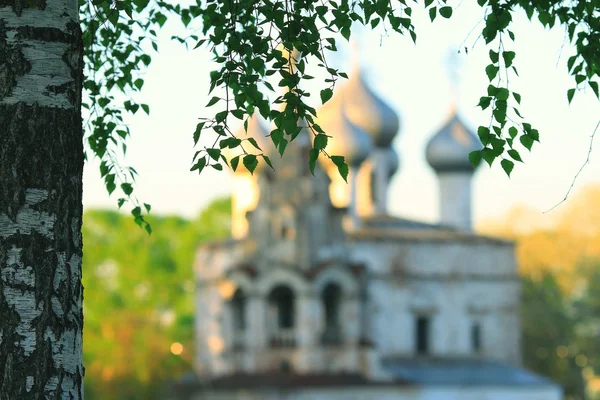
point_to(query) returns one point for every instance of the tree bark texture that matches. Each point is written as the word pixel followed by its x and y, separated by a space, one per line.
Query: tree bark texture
pixel 41 167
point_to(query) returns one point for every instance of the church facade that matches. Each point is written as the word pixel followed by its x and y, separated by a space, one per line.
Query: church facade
pixel 321 294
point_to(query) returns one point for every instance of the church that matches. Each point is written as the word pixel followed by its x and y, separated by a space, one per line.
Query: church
pixel 321 294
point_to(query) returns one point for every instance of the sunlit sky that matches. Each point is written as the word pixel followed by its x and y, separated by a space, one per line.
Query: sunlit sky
pixel 414 80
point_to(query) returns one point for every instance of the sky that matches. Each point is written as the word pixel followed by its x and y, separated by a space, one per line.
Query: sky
pixel 415 81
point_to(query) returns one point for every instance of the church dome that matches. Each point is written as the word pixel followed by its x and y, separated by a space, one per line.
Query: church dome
pixel 256 131
pixel 368 111
pixel 449 149
pixel 346 139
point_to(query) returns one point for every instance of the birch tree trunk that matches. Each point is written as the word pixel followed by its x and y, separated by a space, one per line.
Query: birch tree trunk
pixel 41 166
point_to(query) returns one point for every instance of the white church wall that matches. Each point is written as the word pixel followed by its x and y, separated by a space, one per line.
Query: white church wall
pixel 209 331
pixel 454 284
pixel 430 257
pixel 396 307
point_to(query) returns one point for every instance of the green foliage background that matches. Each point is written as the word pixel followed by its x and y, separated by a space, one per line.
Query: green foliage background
pixel 133 281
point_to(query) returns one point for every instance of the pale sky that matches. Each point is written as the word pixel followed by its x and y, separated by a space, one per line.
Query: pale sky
pixel 414 80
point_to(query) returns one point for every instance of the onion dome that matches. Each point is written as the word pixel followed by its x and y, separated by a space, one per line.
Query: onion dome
pixel 369 112
pixel 346 139
pixel 256 131
pixel 449 149
pixel 392 160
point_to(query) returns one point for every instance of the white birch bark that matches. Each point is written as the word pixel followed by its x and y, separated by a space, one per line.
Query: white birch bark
pixel 41 164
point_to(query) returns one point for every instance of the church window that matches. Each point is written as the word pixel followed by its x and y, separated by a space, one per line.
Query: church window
pixel 284 225
pixel 476 337
pixel 422 334
pixel 373 186
pixel 332 299
pixel 238 308
pixel 282 316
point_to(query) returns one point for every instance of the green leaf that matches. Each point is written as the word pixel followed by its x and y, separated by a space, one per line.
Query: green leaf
pixel 491 71
pixel 109 181
pixel 282 145
pixel 338 160
pixel 104 169
pixel 136 212
pixel 148 207
pixel 488 155
pixel 268 161
pixel 320 141
pixel 494 56
pixel 213 101
pixel 432 13
pixel 200 164
pixel 127 188
pixel 214 153
pixel 217 166
pixel 484 102
pixel 221 116
pixel 198 131
pixel 313 155
pixel 507 166
pixel 526 141
pixel 343 170
pixel 239 114
pixel 508 57
pixel 148 228
pixel 535 135
pixel 250 162
pixel 254 143
pixel 512 131
pixel 120 202
pixel 594 86
pixel 326 95
pixel 446 12
pixel 475 158
pixel 484 134
pixel 502 94
pixel 570 94
pixel 517 97
pixel 234 163
pixel 113 17
pixel 515 155
pixel 146 108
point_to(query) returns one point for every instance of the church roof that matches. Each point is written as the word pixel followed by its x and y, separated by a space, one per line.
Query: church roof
pixel 396 229
pixel 368 111
pixel 469 372
pixel 347 139
pixel 449 149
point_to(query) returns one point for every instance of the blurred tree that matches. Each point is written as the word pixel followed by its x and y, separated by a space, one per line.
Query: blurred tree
pixel 559 259
pixel 550 345
pixel 139 299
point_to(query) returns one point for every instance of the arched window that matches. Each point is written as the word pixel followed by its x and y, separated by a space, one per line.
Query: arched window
pixel 238 308
pixel 282 316
pixel 332 299
pixel 238 316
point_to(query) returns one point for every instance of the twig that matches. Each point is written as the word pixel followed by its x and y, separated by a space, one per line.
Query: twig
pixel 587 161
